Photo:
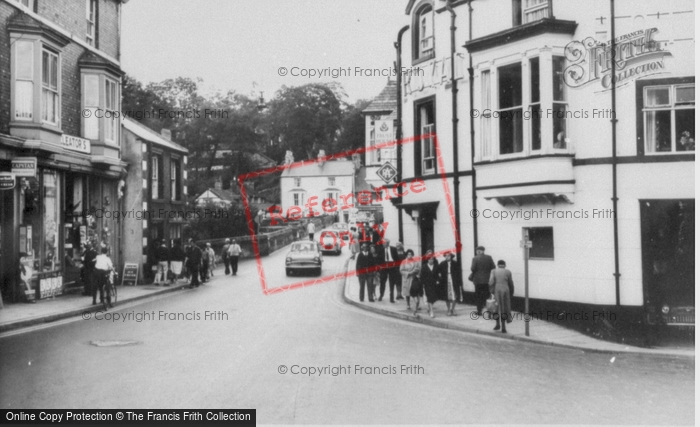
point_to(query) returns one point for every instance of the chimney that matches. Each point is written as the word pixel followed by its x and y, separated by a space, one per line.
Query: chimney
pixel 166 133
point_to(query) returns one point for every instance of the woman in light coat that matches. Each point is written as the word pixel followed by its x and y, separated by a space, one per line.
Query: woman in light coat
pixel 410 270
pixel 501 287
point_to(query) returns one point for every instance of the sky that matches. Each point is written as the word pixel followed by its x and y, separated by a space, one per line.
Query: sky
pixel 242 45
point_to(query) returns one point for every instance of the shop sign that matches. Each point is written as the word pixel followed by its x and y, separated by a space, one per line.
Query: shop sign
pixel 24 166
pixel 7 181
pixel 75 144
pixel 636 55
pixel 384 131
pixel 131 273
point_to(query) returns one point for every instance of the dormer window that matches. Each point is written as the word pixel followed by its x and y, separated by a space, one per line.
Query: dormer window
pixel 423 38
pixel 526 11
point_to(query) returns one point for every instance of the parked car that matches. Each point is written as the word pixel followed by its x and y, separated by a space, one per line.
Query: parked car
pixel 342 229
pixel 304 256
pixel 331 242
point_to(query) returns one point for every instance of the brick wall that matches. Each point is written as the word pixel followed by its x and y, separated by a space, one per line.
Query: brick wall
pixel 70 15
pixel 5 12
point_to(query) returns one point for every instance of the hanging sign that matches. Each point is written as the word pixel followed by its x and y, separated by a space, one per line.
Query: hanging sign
pixel 7 181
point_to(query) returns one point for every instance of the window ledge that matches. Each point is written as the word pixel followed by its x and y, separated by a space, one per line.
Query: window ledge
pixel 423 59
pixel 521 32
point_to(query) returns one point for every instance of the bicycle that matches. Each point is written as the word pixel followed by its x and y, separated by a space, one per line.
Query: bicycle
pixel 109 290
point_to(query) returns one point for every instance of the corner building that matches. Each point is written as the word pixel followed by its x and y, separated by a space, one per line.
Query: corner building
pixel 603 190
pixel 60 153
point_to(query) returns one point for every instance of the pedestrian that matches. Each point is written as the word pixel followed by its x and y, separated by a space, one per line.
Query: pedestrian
pixel 211 256
pixel 409 269
pixel 482 265
pixel 193 261
pixel 225 258
pixel 502 288
pixel 204 271
pixel 89 270
pixel 234 252
pixel 374 282
pixel 389 257
pixel 162 255
pixel 450 282
pixel 354 242
pixel 365 262
pixel 430 279
pixel 103 268
pixel 177 256
pixel 311 229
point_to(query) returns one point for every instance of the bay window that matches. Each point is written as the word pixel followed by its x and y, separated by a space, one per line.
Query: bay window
pixel 24 80
pixel 49 87
pixel 101 107
pixel 510 108
pixel 669 118
pixel 111 109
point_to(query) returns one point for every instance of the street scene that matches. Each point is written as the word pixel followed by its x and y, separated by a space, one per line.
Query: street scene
pixel 434 212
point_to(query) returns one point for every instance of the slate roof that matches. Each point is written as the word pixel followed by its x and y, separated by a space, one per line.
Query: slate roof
pixel 384 102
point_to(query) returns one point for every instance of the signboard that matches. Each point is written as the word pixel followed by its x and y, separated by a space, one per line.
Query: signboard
pixel 24 166
pixel 383 131
pixel 131 273
pixel 387 172
pixel 76 144
pixel 50 285
pixel 7 181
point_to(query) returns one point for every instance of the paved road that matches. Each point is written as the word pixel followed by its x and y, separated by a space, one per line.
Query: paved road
pixel 235 363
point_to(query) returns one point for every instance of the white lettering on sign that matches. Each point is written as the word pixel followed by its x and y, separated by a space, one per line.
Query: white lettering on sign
pixel 76 144
pixel 24 166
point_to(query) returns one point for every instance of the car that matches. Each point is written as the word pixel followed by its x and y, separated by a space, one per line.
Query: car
pixel 304 256
pixel 342 229
pixel 331 242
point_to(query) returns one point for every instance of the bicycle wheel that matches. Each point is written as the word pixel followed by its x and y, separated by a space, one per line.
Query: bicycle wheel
pixel 114 295
pixel 105 296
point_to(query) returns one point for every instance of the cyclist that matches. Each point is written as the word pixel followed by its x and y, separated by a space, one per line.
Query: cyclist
pixel 103 269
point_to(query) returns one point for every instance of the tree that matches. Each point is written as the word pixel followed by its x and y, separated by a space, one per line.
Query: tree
pixel 352 134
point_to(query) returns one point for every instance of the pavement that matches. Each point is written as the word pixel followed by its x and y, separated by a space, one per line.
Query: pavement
pixel 22 315
pixel 466 319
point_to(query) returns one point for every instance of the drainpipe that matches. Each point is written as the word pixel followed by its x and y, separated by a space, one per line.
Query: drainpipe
pixel 399 122
pixel 455 134
pixel 475 229
pixel 614 154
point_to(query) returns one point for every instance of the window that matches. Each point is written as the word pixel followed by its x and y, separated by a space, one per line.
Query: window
pixel 111 108
pixel 423 41
pixel 559 103
pixel 331 181
pixel 298 199
pixel 669 118
pixel 525 11
pixel 24 80
pixel 535 105
pixel 486 117
pixel 26 3
pixel 157 177
pixel 297 182
pixel 510 109
pixel 90 13
pixel 49 87
pixel 91 102
pixel 542 239
pixel 425 151
pixel 175 192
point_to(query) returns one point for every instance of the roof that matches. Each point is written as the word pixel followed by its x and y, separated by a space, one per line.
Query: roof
pixel 385 101
pixel 150 135
pixel 328 168
pixel 226 195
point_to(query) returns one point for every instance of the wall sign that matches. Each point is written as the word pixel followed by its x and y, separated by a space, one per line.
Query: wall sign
pixel 24 166
pixel 637 54
pixel 76 144
pixel 7 181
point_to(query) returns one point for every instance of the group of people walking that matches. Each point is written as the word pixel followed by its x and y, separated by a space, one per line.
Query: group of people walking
pixel 413 278
pixel 199 262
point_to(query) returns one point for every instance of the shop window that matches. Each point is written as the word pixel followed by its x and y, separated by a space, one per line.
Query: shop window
pixel 525 11
pixel 669 118
pixel 423 37
pixel 542 239
pixel 425 150
pixel 90 17
pixel 510 122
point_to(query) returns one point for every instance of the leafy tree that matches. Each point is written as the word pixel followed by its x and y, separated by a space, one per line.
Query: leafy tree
pixel 352 135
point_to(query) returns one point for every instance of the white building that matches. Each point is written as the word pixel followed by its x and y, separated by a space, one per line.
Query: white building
pixel 306 187
pixel 541 112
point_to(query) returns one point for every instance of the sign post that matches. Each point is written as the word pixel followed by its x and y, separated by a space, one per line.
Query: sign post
pixel 131 273
pixel 526 244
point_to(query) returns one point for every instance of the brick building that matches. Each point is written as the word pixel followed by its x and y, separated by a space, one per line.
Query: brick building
pixel 60 149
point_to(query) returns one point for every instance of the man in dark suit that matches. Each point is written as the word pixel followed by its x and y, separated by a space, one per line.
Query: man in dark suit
pixel 365 260
pixel 193 261
pixel 389 255
pixel 482 265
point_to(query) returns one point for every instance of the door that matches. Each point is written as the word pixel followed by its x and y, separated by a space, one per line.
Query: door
pixel 427 227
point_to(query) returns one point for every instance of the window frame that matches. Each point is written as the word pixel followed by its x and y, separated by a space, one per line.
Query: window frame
pixel 112 122
pixel 48 86
pixel 297 181
pixel 91 18
pixel 672 107
pixel 530 238
pixel 109 117
pixel 422 129
pixel 501 110
pixel 157 170
pixel 175 179
pixel 562 103
pixel 523 10
pixel 30 80
pixel 331 181
pixel 419 53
